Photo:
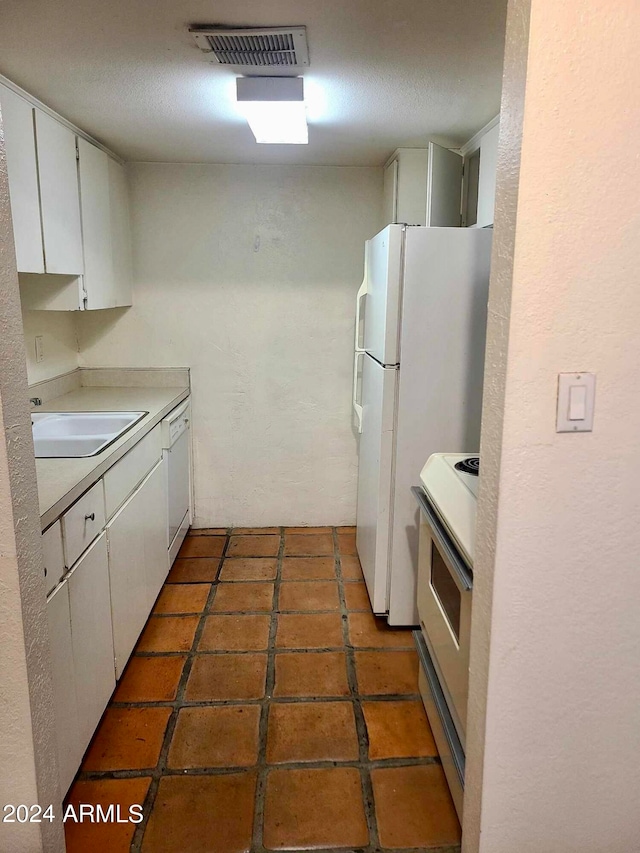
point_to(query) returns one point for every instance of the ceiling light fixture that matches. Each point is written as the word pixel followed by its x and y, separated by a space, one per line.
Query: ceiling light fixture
pixel 274 109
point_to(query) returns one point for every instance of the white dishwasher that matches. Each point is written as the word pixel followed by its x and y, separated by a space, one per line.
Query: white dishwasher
pixel 177 457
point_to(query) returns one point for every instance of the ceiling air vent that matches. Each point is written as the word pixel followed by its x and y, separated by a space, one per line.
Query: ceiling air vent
pixel 273 48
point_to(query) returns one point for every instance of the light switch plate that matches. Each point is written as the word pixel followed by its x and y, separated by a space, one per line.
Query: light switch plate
pixel 39 348
pixel 576 400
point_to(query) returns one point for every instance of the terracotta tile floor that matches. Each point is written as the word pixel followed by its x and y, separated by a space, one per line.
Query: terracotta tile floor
pixel 265 708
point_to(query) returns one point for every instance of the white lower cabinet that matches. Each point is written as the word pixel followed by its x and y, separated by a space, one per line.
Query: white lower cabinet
pixel 156 556
pixel 138 561
pixel 127 575
pixel 98 609
pixel 91 636
pixel 70 747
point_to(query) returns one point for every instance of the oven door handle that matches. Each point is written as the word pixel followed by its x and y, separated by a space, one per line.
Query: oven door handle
pixel 462 573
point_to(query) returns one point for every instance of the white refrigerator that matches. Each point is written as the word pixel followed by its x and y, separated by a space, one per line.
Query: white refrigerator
pixel 421 317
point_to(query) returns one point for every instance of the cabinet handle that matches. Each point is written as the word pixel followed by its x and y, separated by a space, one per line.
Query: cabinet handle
pixel 45 571
pixel 91 517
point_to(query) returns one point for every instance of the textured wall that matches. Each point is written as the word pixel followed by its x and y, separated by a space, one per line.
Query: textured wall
pixel 559 512
pixel 248 275
pixel 511 118
pixel 60 343
pixel 28 766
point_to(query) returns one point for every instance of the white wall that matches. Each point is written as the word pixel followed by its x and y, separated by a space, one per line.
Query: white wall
pixel 558 513
pixel 59 339
pixel 28 764
pixel 248 274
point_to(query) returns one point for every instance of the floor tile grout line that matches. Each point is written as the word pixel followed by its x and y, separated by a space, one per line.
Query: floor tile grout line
pixel 285 700
pixel 144 772
pixel 280 650
pixel 361 728
pixel 161 764
pixel 262 771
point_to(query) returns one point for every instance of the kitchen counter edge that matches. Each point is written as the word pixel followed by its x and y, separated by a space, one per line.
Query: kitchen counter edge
pixel 108 458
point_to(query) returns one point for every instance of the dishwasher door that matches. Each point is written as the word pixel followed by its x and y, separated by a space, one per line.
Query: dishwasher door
pixel 178 473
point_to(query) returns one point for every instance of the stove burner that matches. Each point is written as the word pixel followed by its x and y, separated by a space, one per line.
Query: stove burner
pixel 469 466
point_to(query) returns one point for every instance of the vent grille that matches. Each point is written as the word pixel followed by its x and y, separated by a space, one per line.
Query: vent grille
pixel 252 48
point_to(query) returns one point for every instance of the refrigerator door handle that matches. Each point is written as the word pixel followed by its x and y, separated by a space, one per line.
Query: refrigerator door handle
pixel 357 406
pixel 362 292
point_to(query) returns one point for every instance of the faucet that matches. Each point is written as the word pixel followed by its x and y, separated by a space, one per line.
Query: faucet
pixel 36 401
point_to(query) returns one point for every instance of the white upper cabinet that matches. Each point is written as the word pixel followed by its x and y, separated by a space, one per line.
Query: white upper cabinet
pixel 122 283
pixel 59 196
pixel 487 177
pixel 22 168
pixel 461 183
pixel 405 186
pixel 43 186
pixel 444 187
pixel 93 169
pixel 479 186
pixel 70 209
pixel 390 192
pixel 106 236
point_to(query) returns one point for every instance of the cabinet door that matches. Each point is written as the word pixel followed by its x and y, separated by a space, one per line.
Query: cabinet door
pixel 93 170
pixel 120 235
pixel 444 187
pixel 59 196
pixel 470 187
pixel 412 186
pixel 487 177
pixel 138 561
pixel 156 554
pixel 70 747
pixel 22 170
pixel 91 636
pixel 390 193
pixel 126 534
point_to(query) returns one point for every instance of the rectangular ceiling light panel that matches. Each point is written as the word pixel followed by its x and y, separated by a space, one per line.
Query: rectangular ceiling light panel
pixel 270 48
pixel 274 108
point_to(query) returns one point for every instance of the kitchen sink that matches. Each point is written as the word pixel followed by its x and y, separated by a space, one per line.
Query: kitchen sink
pixel 77 434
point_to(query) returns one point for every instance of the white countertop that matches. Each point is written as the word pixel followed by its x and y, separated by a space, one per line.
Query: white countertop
pixel 62 481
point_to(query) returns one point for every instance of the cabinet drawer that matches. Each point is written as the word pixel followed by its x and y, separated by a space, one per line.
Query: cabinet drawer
pixel 53 556
pixel 82 523
pixel 121 480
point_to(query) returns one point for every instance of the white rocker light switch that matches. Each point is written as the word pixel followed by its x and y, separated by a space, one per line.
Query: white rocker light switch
pixel 576 397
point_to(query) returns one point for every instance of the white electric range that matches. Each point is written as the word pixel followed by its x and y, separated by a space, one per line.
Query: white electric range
pixel 450 481
pixel 448 500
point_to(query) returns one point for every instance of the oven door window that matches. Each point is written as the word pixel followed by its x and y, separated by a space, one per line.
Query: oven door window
pixel 446 591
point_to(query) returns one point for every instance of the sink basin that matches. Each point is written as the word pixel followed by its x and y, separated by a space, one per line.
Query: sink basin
pixel 78 434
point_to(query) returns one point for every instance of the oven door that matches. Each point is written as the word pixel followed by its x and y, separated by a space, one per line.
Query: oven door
pixel 445 586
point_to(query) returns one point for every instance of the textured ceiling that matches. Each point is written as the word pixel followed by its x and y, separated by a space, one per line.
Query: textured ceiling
pixel 383 74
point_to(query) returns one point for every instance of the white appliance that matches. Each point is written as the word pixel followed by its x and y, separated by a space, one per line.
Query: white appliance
pixel 418 368
pixel 177 454
pixel 447 501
